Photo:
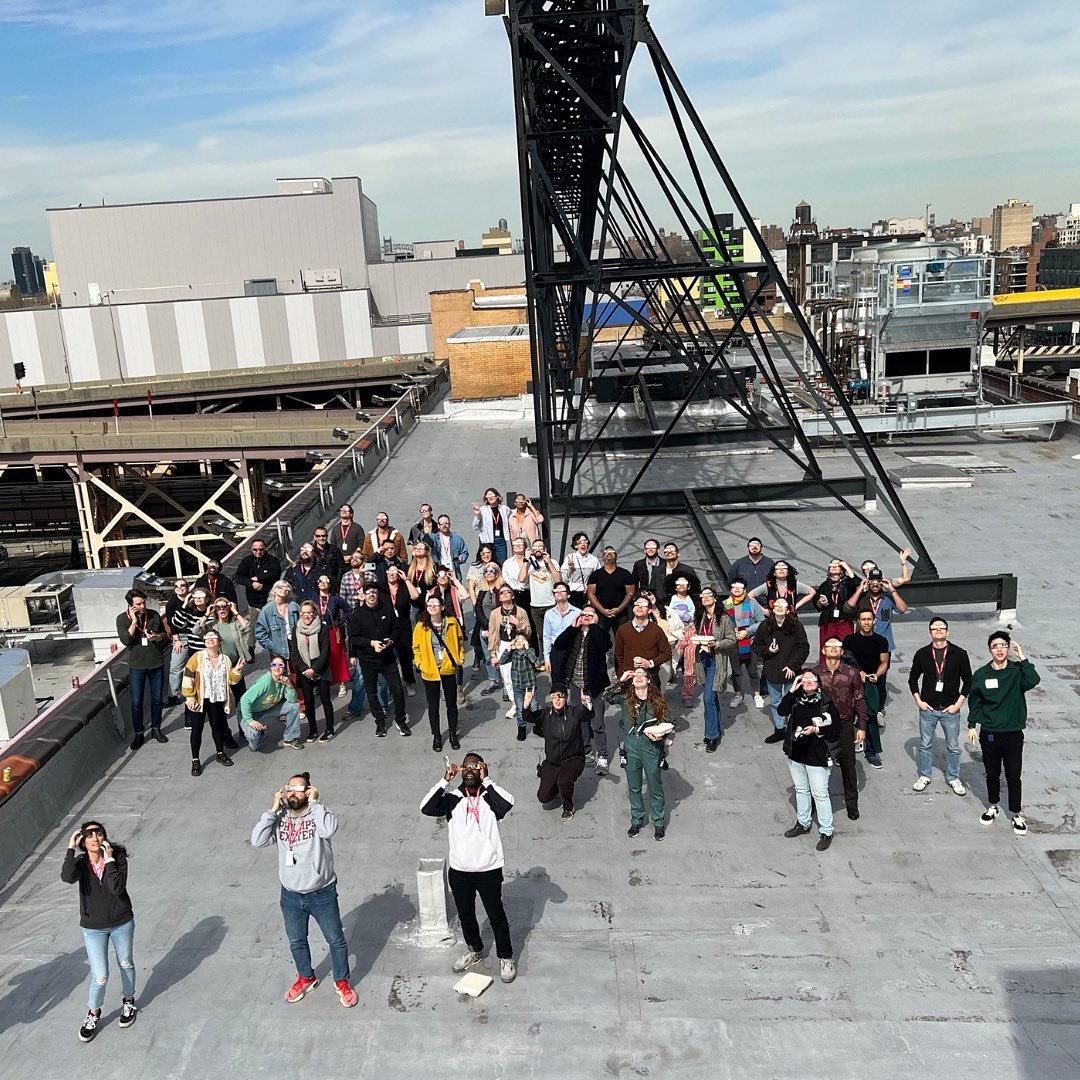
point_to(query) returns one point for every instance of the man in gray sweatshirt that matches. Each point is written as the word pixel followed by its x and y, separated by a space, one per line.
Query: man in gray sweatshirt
pixel 302 827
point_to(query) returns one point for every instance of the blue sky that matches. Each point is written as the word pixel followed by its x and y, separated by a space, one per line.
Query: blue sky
pixel 867 110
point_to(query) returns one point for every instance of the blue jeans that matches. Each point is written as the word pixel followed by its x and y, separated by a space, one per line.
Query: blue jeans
pixel 359 692
pixel 177 660
pixel 710 698
pixel 492 671
pixel 812 780
pixel 322 906
pixel 950 724
pixel 499 544
pixel 777 690
pixel 519 704
pixel 97 952
pixel 287 711
pixel 137 680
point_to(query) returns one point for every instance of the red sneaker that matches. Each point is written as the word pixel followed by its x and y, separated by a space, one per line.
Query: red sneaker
pixel 346 993
pixel 299 988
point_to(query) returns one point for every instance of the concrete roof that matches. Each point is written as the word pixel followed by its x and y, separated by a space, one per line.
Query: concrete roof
pixel 921 943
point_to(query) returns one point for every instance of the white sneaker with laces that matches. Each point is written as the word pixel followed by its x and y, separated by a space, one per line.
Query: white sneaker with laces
pixel 921 784
pixel 511 712
pixel 957 786
pixel 469 960
pixel 759 702
pixel 736 701
pixel 1019 825
pixel 507 971
pixel 601 765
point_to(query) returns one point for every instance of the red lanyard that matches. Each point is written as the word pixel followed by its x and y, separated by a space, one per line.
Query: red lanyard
pixel 472 805
pixel 324 603
pixel 344 532
pixel 940 667
pixel 294 835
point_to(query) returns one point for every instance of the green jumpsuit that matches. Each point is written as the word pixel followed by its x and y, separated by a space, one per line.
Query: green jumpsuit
pixel 642 756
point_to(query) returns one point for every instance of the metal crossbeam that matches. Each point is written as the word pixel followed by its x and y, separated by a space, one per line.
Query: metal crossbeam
pixel 589 178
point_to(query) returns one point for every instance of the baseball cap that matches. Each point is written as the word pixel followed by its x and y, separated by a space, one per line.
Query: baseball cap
pixel 875 574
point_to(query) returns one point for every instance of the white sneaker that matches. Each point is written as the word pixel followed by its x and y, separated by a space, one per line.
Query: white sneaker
pixel 343 690
pixel 957 786
pixel 988 815
pixel 507 971
pixel 469 960
pixel 1019 825
pixel 921 784
pixel 736 701
pixel 759 702
pixel 601 766
pixel 511 712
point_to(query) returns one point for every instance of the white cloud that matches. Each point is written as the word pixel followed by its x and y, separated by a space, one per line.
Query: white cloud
pixel 866 110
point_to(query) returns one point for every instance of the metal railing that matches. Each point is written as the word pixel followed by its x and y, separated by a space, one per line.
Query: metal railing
pixel 338 479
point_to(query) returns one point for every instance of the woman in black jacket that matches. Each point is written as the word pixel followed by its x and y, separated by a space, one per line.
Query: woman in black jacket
pixel 781 647
pixel 100 870
pixel 585 634
pixel 811 717
pixel 309 655
pixel 564 750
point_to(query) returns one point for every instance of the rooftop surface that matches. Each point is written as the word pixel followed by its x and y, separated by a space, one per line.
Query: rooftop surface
pixel 920 942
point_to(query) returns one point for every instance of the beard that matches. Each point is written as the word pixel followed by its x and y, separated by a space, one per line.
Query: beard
pixel 297 802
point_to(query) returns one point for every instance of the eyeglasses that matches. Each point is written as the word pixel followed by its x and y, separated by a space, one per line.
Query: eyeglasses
pixel 278 665
pixel 490 573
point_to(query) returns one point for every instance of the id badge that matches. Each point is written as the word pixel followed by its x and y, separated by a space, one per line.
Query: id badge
pixel 836 613
pixel 144 641
pixel 290 858
pixel 939 686
pixel 991 684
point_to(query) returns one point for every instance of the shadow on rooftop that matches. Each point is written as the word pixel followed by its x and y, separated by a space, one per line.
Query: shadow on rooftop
pixel 187 953
pixel 36 991
pixel 368 928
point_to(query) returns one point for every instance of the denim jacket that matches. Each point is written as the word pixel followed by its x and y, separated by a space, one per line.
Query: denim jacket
pixel 272 631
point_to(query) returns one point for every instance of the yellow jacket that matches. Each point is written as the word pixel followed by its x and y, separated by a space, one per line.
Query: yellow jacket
pixel 191 687
pixel 424 654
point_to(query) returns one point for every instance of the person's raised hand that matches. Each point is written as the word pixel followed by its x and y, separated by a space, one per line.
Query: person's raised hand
pixel 451 772
pixel 279 795
pixel 312 793
pixel 76 836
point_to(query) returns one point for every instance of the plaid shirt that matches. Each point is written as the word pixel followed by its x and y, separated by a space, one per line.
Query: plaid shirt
pixel 522 669
pixel 351 583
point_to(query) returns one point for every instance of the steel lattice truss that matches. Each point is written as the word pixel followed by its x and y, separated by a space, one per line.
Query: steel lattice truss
pixel 578 142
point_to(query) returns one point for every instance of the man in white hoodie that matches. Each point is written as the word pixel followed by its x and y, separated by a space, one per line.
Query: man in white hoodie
pixel 302 827
pixel 473 812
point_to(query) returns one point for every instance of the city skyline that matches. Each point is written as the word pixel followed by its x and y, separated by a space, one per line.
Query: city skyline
pixel 832 104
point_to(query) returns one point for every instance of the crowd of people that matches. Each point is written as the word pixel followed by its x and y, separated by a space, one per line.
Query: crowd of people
pixel 584 652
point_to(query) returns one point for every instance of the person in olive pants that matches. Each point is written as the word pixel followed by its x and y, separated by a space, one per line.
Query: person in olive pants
pixel 643 707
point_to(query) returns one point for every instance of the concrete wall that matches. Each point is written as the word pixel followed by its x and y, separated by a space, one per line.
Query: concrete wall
pixel 208 248
pixel 130 340
pixel 403 288
pixel 454 310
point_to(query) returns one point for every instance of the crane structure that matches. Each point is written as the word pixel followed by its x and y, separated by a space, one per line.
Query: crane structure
pixel 597 179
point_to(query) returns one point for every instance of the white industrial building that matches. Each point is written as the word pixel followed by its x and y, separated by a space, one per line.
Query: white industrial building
pixel 214 284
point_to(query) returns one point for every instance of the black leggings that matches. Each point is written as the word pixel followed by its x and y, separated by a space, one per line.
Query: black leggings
pixel 307 690
pixel 214 712
pixel 1003 748
pixel 448 685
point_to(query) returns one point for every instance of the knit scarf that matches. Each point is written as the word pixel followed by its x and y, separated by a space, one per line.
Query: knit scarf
pixel 307 640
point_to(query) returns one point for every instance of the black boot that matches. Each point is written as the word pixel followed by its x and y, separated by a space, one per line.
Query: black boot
pixel 454 744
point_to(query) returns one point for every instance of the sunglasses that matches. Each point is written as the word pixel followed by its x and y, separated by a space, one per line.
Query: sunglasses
pixel 490 573
pixel 94 832
pixel 277 665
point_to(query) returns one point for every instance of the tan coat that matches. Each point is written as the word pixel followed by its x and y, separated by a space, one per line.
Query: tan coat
pixel 191 687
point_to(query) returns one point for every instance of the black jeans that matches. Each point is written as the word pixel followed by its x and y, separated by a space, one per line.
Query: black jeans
pixel 447 684
pixel 843 753
pixel 403 652
pixel 1003 748
pixel 560 779
pixel 371 670
pixel 214 712
pixel 464 886
pixel 308 690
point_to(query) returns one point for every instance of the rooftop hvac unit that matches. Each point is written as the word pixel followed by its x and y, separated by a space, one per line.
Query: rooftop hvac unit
pixel 36 607
pixel 319 280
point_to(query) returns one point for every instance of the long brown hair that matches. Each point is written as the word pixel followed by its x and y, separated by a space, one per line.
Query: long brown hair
pixel 654 699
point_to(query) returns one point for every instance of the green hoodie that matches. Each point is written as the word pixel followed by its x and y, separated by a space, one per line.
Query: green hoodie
pixel 1001 707
pixel 263 695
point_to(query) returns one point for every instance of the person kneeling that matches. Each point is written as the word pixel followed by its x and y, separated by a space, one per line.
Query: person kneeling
pixel 564 749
